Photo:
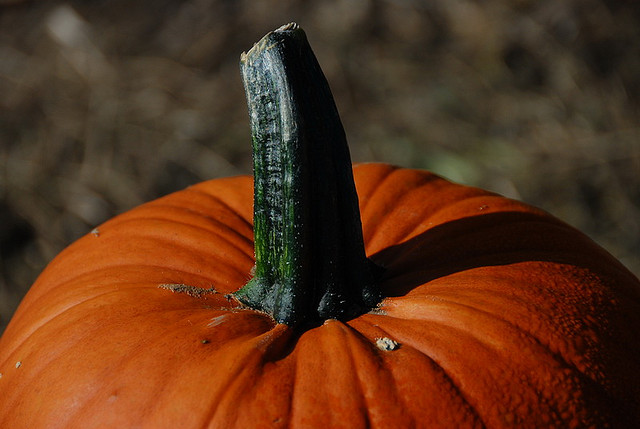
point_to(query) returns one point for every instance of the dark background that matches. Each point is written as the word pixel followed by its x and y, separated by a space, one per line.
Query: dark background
pixel 107 104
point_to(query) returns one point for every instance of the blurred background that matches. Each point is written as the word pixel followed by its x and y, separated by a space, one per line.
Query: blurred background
pixel 105 104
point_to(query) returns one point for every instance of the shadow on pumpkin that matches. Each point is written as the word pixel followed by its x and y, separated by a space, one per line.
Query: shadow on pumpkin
pixel 491 239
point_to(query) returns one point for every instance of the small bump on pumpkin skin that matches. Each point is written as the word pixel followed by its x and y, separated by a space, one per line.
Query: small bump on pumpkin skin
pixel 387 344
pixel 95 232
pixel 18 364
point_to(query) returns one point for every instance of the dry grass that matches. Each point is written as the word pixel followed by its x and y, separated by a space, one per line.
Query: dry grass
pixel 108 103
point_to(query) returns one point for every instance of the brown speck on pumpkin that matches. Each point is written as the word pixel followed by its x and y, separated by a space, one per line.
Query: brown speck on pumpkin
pixel 483 207
pixel 387 344
pixel 193 291
pixel 205 341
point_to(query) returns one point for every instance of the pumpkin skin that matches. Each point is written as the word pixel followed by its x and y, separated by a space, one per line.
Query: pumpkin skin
pixel 502 316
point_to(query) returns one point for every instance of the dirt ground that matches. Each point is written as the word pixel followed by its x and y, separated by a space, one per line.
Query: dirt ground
pixel 105 104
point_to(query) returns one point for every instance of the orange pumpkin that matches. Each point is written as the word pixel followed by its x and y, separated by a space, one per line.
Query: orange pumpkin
pixel 494 314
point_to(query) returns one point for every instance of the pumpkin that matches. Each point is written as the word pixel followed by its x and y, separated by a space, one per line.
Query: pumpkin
pixel 418 303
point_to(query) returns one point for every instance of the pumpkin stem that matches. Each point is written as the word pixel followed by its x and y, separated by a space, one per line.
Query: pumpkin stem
pixel 310 258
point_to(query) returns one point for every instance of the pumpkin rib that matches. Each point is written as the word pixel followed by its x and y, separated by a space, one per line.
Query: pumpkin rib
pixel 157 240
pixel 366 197
pixel 300 372
pixel 229 192
pixel 457 390
pixel 221 220
pixel 545 300
pixel 427 224
pixel 325 353
pixel 469 196
pixel 125 287
pixel 85 257
pixel 589 377
pixel 35 329
pixel 563 245
pixel 35 303
pixel 212 232
pixel 89 404
pixel 294 391
pixel 78 305
pixel 470 201
pixel 134 351
pixel 161 213
pixel 392 386
pixel 356 326
pixel 164 383
pixel 422 276
pixel 230 398
pixel 376 217
pixel 479 277
pixel 565 350
pixel 196 189
pixel 401 403
pixel 482 200
pixel 52 359
pixel 205 278
pixel 118 280
pixel 219 286
pixel 462 395
pixel 349 335
pixel 454 366
pixel 377 325
pixel 581 251
pixel 545 345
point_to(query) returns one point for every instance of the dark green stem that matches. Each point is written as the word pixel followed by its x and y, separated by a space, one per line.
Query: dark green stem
pixel 310 258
